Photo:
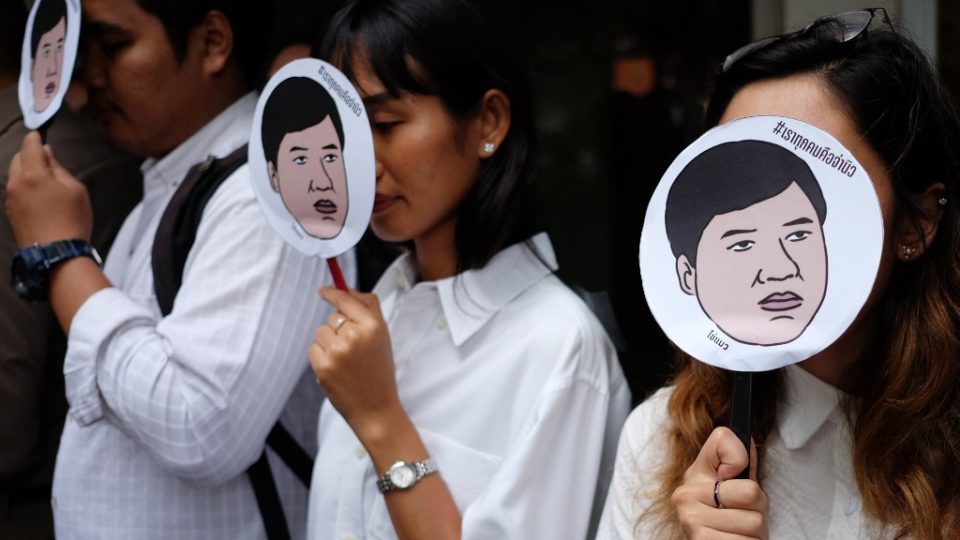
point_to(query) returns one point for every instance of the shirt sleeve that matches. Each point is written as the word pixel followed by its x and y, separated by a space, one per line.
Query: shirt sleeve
pixel 200 389
pixel 546 485
pixel 639 457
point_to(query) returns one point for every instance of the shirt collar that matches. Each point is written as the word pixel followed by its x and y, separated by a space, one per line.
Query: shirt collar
pixel 809 403
pixel 228 131
pixel 470 299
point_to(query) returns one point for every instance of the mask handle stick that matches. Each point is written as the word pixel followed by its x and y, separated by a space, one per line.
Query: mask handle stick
pixel 43 129
pixel 740 412
pixel 337 274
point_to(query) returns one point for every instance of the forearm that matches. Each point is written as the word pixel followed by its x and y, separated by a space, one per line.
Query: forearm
pixel 425 511
pixel 72 283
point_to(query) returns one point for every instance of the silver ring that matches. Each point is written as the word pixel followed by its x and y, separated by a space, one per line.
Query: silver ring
pixel 340 322
pixel 716 495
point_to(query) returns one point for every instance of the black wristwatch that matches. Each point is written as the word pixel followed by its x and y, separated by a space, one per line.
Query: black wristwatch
pixel 30 271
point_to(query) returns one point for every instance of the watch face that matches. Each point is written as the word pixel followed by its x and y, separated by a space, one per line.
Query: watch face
pixel 403 477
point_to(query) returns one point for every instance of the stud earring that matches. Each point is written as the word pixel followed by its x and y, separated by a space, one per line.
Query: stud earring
pixel 907 252
pixel 942 201
pixel 489 147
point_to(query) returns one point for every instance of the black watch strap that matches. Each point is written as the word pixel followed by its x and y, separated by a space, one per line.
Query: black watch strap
pixel 31 265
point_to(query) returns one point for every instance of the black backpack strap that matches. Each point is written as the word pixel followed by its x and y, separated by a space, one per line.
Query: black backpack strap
pixel 268 500
pixel 181 219
pixel 171 246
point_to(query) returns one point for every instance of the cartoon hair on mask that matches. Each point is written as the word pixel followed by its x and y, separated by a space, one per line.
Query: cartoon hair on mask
pixel 49 15
pixel 765 271
pixel 303 144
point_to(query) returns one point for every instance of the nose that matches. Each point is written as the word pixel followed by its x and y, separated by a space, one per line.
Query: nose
pixel 92 67
pixel 777 265
pixel 321 180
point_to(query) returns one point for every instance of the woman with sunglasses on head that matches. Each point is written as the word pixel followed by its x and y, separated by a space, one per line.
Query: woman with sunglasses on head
pixel 863 439
pixel 473 395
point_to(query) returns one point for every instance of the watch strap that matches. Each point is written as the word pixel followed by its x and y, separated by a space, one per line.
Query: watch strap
pixel 31 265
pixel 421 469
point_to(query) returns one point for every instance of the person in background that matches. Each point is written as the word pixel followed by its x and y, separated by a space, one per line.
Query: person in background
pixel 168 410
pixel 473 395
pixel 860 440
pixel 32 404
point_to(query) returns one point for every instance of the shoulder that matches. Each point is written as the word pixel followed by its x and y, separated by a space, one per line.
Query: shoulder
pixel 559 313
pixel 561 331
pixel 645 428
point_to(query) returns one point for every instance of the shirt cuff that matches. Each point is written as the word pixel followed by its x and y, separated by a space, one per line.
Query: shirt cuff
pixel 93 325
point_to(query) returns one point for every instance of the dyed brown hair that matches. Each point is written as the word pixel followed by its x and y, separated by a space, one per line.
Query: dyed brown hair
pixel 904 388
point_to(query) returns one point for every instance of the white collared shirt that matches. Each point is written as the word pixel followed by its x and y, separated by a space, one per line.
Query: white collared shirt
pixel 515 390
pixel 166 414
pixel 807 470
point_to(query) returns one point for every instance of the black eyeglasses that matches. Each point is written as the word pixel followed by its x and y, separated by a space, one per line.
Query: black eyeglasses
pixel 849 26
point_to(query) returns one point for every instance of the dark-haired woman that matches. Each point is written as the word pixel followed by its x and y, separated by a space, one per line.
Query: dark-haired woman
pixel 861 440
pixel 473 395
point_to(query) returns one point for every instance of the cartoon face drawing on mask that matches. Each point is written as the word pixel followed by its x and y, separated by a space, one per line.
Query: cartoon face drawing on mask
pixel 745 224
pixel 48 36
pixel 303 145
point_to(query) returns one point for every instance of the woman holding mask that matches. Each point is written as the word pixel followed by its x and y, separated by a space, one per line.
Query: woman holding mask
pixel 861 440
pixel 474 395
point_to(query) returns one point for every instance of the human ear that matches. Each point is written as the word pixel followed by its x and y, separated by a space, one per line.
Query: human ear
pixel 917 229
pixel 687 275
pixel 274 177
pixel 494 121
pixel 214 40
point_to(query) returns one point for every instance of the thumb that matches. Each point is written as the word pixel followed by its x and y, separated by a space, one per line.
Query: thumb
pixel 753 460
pixel 722 456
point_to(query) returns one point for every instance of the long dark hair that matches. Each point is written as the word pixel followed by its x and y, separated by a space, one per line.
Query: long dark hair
pixel 904 399
pixel 461 49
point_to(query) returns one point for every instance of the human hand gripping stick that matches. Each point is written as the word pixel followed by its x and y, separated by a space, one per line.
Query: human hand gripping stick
pixel 711 503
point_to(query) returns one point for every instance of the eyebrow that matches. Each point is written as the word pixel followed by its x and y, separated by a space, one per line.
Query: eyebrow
pixel 377 100
pixel 330 147
pixel 102 28
pixel 298 149
pixel 732 232
pixel 798 221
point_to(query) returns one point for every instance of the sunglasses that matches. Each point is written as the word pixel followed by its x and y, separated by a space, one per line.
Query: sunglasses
pixel 848 26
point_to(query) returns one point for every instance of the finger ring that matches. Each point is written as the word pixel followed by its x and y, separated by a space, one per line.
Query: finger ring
pixel 340 322
pixel 716 495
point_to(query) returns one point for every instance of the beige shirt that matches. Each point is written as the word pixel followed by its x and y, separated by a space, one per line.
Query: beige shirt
pixel 807 473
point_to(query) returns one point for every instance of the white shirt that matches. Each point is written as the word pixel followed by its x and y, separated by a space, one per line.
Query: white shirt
pixel 807 471
pixel 515 390
pixel 166 414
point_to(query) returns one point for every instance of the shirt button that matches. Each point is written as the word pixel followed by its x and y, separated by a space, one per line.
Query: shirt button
pixel 349 536
pixel 360 452
pixel 441 322
pixel 853 504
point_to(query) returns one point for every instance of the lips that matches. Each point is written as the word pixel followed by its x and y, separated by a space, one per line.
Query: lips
pixel 50 88
pixel 381 203
pixel 781 301
pixel 325 206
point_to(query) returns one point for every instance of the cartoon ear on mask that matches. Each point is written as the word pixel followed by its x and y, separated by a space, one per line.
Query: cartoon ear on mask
pixel 687 275
pixel 274 177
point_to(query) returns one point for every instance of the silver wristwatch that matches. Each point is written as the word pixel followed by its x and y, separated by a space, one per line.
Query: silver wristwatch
pixel 402 475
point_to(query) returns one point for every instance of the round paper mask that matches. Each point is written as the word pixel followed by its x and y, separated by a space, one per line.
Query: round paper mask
pixel 311 158
pixel 49 53
pixel 760 244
